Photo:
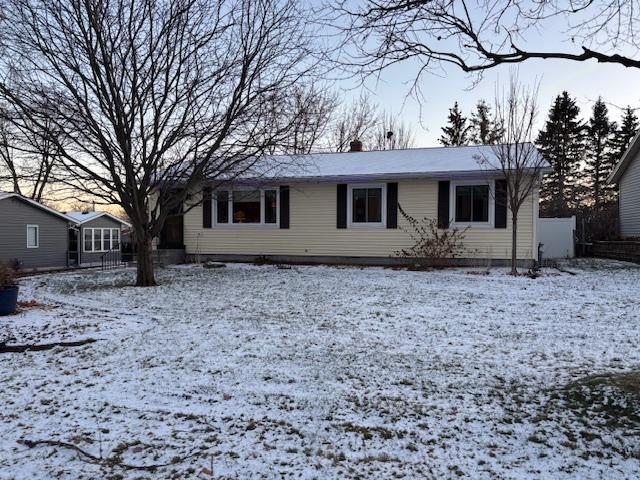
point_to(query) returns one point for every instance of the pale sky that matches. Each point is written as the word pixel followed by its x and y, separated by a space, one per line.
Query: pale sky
pixel 585 81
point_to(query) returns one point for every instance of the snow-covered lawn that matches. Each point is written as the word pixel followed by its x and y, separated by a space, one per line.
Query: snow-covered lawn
pixel 319 372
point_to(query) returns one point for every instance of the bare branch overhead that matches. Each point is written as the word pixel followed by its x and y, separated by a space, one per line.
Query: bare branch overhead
pixel 479 35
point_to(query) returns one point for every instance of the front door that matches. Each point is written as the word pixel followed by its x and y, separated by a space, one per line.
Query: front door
pixel 172 234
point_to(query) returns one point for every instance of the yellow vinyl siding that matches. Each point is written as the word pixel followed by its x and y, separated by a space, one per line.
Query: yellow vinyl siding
pixel 313 229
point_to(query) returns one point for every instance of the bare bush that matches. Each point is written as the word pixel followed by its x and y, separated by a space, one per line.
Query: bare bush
pixel 7 276
pixel 431 246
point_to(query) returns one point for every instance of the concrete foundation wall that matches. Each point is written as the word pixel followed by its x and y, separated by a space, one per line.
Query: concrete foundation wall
pixel 370 261
pixel 165 256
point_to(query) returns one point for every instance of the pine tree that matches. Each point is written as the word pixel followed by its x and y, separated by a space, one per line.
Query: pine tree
pixel 456 133
pixel 484 130
pixel 562 144
pixel 598 156
pixel 623 135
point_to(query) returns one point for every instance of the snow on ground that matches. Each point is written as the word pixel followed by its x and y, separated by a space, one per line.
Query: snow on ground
pixel 320 372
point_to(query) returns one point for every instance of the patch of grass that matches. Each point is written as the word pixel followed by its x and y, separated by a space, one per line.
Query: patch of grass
pixel 368 432
pixel 615 397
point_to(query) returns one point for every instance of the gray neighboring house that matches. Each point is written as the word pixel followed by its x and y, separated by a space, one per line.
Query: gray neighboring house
pixel 627 175
pixel 95 234
pixel 32 235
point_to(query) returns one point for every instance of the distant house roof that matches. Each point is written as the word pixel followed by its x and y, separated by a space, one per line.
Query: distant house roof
pixel 413 162
pixel 6 195
pixel 623 163
pixel 80 217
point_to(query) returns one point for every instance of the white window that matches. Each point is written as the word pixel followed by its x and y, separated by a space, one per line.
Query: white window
pixel 115 239
pixel 106 239
pixel 97 240
pixel 366 205
pixel 33 236
pixel 101 239
pixel 472 203
pixel 247 206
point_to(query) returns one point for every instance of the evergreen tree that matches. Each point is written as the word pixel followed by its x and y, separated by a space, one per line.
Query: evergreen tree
pixel 598 156
pixel 484 130
pixel 562 144
pixel 623 136
pixel 457 131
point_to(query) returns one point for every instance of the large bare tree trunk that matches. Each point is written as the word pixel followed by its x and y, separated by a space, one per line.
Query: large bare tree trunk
pixel 144 259
pixel 514 244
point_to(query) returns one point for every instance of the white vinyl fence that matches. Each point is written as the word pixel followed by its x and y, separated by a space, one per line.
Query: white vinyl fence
pixel 557 236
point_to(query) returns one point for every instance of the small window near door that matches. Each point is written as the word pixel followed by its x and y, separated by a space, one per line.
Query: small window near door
pixel 33 236
pixel 270 206
pixel 222 206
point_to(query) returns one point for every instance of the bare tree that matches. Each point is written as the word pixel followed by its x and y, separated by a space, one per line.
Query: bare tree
pixel 151 99
pixel 477 35
pixel 515 158
pixel 392 133
pixel 28 155
pixel 8 168
pixel 357 121
pixel 313 109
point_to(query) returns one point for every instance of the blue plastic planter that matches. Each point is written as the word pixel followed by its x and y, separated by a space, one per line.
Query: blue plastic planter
pixel 8 300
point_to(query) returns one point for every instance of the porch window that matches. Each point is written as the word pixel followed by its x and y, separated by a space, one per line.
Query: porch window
pixel 101 239
pixel 97 240
pixel 115 239
pixel 106 239
pixel 88 239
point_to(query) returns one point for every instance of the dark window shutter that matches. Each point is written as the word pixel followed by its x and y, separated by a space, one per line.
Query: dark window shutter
pixel 501 204
pixel 342 206
pixel 443 204
pixel 392 205
pixel 284 206
pixel 206 207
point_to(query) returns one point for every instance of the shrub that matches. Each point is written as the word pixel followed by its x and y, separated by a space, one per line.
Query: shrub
pixel 7 276
pixel 432 246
